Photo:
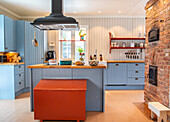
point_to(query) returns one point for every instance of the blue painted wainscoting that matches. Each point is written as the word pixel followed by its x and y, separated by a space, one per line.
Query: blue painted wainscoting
pixel 29 54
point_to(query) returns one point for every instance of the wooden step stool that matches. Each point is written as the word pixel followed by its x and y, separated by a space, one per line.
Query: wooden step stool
pixel 160 110
pixel 60 100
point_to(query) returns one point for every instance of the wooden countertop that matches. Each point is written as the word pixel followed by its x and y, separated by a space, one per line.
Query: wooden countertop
pixel 125 61
pixel 39 66
pixel 12 63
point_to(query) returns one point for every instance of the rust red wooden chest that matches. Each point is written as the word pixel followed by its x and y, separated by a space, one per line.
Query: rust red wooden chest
pixel 60 100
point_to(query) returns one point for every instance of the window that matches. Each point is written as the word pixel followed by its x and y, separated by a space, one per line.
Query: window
pixel 70 43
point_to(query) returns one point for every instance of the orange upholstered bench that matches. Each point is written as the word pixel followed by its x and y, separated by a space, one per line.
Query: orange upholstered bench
pixel 60 100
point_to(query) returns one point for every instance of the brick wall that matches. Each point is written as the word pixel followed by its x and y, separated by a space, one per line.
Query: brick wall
pixel 157 10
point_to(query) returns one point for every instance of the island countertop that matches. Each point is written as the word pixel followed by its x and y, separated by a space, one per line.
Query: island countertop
pixel 39 66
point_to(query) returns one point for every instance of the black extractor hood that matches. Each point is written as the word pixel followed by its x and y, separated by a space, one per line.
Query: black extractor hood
pixel 56 20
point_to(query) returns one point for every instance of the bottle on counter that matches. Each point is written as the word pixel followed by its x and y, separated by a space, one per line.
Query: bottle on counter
pixel 101 58
pixel 91 58
pixel 95 57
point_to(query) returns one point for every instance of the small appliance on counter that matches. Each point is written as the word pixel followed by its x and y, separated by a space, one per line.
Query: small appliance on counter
pixel 50 55
pixel 52 61
pixel 3 58
pixel 66 61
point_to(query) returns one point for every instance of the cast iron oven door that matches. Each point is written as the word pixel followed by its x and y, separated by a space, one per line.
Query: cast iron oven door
pixel 153 75
pixel 153 34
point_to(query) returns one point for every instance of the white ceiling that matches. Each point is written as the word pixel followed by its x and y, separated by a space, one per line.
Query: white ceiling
pixel 82 7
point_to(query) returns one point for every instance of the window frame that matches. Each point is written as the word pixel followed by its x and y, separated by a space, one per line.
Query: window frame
pixel 73 45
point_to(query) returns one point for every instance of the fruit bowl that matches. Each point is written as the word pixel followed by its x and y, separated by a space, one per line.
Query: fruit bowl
pixel 93 62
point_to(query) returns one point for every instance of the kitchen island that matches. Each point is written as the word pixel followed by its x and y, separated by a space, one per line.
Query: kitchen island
pixel 95 81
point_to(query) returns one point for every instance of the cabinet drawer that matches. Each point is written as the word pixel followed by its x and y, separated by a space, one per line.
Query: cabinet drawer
pixel 135 81
pixel 136 73
pixel 19 69
pixel 19 86
pixel 136 66
pixel 19 78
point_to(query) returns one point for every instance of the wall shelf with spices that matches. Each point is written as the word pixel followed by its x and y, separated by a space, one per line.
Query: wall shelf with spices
pixel 126 43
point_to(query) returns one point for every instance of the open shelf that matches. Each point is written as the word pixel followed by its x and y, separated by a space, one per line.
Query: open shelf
pixel 127 38
pixel 72 40
pixel 111 38
pixel 127 47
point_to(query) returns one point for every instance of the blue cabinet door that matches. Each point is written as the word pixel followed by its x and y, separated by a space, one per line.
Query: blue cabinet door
pixel 2 33
pixel 117 73
pixel 9 34
pixel 33 55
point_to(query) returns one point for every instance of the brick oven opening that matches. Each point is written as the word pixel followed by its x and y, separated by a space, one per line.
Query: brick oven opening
pixel 153 34
pixel 153 75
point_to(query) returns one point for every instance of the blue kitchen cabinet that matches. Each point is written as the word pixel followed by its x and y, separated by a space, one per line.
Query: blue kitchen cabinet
pixel 29 54
pixel 116 74
pixel 12 81
pixel 8 34
pixel 125 76
pixel 136 74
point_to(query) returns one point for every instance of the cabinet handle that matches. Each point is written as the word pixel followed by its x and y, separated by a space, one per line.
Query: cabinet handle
pixel 19 66
pixel 6 48
pixel 19 83
pixel 42 58
pixel 19 74
pixel 117 64
pixel 137 64
pixel 137 71
pixel 136 78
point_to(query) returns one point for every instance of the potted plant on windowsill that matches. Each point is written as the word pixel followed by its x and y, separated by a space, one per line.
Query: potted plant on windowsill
pixel 82 34
pixel 81 53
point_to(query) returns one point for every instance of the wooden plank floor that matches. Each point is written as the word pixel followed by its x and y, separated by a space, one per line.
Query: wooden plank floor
pixel 121 106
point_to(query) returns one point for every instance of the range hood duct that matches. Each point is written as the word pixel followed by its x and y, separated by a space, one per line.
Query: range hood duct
pixel 56 20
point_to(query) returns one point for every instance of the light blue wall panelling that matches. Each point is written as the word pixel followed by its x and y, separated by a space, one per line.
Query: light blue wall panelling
pixel 33 55
pixel 29 54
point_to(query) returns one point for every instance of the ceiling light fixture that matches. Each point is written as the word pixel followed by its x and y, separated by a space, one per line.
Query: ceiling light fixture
pixel 119 11
pixel 99 12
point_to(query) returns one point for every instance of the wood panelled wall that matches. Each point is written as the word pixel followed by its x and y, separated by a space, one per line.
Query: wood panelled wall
pixel 99 38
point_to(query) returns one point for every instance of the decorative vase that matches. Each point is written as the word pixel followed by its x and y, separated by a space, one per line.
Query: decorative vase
pixel 81 58
pixel 81 37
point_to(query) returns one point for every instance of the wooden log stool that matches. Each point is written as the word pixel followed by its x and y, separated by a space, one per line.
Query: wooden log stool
pixel 60 100
pixel 160 110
